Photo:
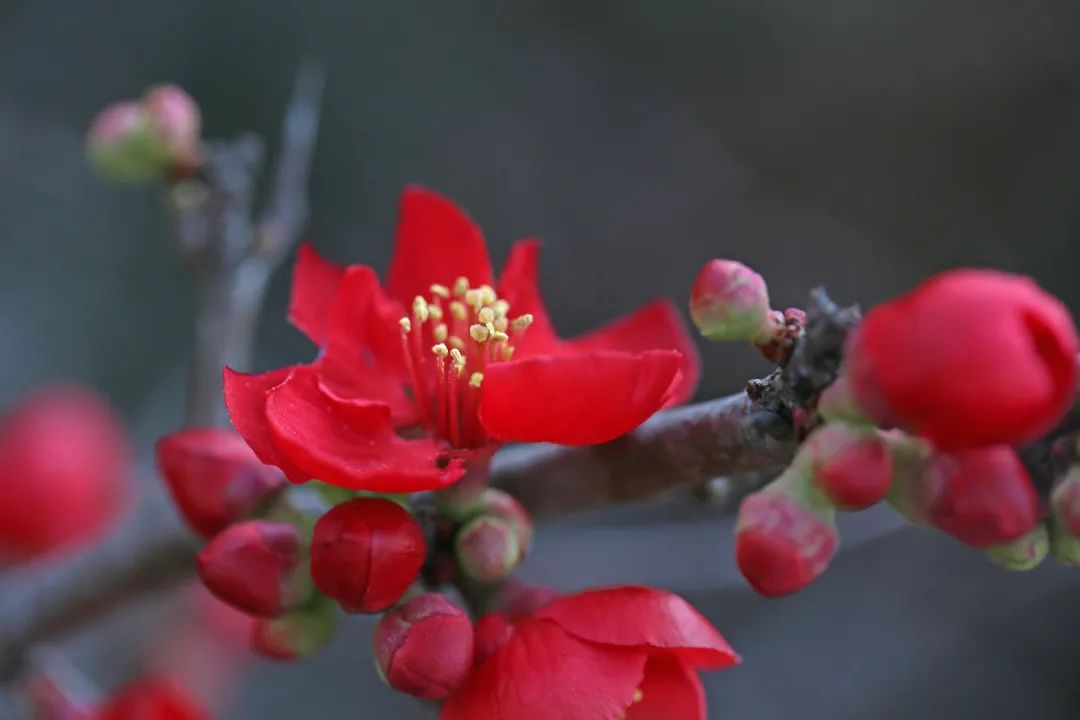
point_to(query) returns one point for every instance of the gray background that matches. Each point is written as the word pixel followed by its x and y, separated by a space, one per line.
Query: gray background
pixel 860 145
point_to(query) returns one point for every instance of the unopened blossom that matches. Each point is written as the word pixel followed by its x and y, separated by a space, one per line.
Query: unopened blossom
pixel 255 567
pixel 730 302
pixel 850 464
pixel 295 635
pixel 446 348
pixel 424 647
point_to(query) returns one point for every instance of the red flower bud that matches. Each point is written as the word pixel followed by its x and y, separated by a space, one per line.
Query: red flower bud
pixel 730 302
pixel 64 464
pixel 366 553
pixel 255 567
pixel 488 549
pixel 214 477
pixel 851 465
pixel 151 699
pixel 782 545
pixel 981 497
pixel 177 122
pixel 297 635
pixel 424 647
pixel 969 358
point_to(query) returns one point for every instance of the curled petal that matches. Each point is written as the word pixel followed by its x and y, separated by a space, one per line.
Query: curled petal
pixel 643 617
pixel 542 673
pixel 315 284
pixel 351 443
pixel 245 398
pixel 578 399
pixel 655 326
pixel 519 285
pixel 436 243
pixel 671 689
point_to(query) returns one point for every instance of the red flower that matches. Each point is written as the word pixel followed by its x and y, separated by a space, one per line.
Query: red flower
pixel 366 553
pixel 255 567
pixel 442 347
pixel 850 464
pixel 150 699
pixel 214 477
pixel 969 358
pixel 628 652
pixel 64 462
pixel 424 647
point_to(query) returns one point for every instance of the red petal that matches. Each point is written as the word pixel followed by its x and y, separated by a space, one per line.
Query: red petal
pixel 245 398
pixel 436 243
pixel 655 326
pixel 315 284
pixel 519 286
pixel 671 689
pixel 643 617
pixel 363 356
pixel 544 674
pixel 578 399
pixel 351 443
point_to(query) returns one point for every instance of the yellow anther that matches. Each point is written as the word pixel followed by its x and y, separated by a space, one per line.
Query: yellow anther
pixel 440 350
pixel 500 336
pixel 638 696
pixel 479 333
pixel 488 294
pixel 501 324
pixel 476 380
pixel 461 286
pixel 486 315
pixel 440 290
pixel 455 342
pixel 457 357
pixel 507 352
pixel 439 333
pixel 458 310
pixel 435 312
pixel 406 325
pixel 523 321
pixel 474 299
pixel 490 328
pixel 501 307
pixel 420 309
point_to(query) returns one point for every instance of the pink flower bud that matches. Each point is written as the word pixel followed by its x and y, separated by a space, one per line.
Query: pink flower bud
pixel 255 567
pixel 850 464
pixel 176 120
pixel 730 302
pixel 505 507
pixel 366 553
pixel 122 145
pixel 969 358
pixel 424 647
pixel 488 548
pixel 781 544
pixel 297 635
pixel 64 467
pixel 151 699
pixel 214 477
pixel 1025 553
pixel 981 497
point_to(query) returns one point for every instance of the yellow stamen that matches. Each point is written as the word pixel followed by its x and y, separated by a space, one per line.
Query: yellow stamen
pixel 501 324
pixel 458 310
pixel 440 350
pixel 455 342
pixel 522 322
pixel 479 333
pixel 488 294
pixel 638 696
pixel 507 352
pixel 474 299
pixel 440 290
pixel 440 332
pixel 500 336
pixel 461 286
pixel 435 312
pixel 490 328
pixel 406 325
pixel 501 307
pixel 486 315
pixel 476 380
pixel 459 362
pixel 420 309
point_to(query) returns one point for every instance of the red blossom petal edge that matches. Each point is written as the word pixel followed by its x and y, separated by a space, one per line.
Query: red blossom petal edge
pixel 542 673
pixel 315 284
pixel 671 689
pixel 436 243
pixel 579 399
pixel 351 443
pixel 245 398
pixel 519 286
pixel 644 617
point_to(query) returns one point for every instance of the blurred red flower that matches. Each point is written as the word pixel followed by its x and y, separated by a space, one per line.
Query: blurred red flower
pixel 64 464
pixel 441 347
pixel 623 652
pixel 150 698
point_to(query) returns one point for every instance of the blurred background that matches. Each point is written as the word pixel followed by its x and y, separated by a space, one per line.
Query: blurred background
pixel 851 144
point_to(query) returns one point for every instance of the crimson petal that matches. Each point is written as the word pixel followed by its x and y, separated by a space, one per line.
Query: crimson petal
pixel 670 690
pixel 351 443
pixel 643 617
pixel 542 673
pixel 519 286
pixel 436 243
pixel 578 399
pixel 315 283
pixel 245 399
pixel 655 326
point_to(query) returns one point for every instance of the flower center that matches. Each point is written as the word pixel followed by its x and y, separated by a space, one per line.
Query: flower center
pixel 449 340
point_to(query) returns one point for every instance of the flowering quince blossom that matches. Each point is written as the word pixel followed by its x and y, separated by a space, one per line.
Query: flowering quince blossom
pixel 622 652
pixel 445 345
pixel 150 699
